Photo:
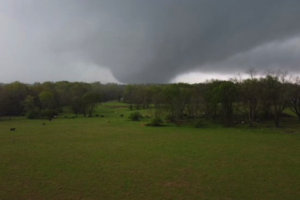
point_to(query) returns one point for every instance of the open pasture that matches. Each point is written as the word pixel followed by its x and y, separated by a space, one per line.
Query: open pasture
pixel 91 158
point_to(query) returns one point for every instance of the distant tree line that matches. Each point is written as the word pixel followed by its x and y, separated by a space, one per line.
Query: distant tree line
pixel 229 102
pixel 44 100
pixel 250 100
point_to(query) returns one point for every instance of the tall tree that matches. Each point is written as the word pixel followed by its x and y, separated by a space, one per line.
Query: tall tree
pixel 250 90
pixel 77 105
pixel 63 91
pixel 14 95
pixel 195 103
pixel 90 101
pixel 227 95
pixel 47 99
pixel 176 97
pixel 275 90
pixel 295 97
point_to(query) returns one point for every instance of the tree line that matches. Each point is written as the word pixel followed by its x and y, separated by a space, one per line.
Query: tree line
pixel 44 100
pixel 250 100
pixel 229 102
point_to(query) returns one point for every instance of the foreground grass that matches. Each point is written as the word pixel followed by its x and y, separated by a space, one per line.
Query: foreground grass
pixel 90 158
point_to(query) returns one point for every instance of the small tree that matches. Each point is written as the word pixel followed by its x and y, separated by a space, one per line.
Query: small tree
pixel 156 121
pixel 135 116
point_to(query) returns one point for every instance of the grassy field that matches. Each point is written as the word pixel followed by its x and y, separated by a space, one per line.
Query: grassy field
pixel 90 158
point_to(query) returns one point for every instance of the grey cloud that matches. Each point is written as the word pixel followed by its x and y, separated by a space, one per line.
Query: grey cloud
pixel 146 41
pixel 284 56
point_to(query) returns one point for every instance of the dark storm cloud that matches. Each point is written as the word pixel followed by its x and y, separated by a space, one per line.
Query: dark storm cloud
pixel 148 40
pixel 284 56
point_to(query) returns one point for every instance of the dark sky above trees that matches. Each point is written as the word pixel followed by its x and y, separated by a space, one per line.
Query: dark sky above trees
pixel 145 41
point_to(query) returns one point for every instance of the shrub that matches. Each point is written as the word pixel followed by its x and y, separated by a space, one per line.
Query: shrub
pixel 198 123
pixel 33 115
pixel 48 113
pixel 135 116
pixel 169 117
pixel 157 121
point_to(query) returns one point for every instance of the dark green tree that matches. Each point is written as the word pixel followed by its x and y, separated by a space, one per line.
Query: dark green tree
pixel 295 97
pixel 275 91
pixel 250 91
pixel 90 100
pixel 225 93
pixel 176 97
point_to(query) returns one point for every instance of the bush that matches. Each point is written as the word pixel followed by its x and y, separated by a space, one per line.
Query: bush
pixel 169 117
pixel 33 115
pixel 48 113
pixel 198 123
pixel 157 121
pixel 135 116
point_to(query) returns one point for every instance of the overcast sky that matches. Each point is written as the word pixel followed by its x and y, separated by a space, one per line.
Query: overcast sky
pixel 146 41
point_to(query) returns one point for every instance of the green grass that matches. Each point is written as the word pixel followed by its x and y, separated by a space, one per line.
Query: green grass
pixel 88 158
